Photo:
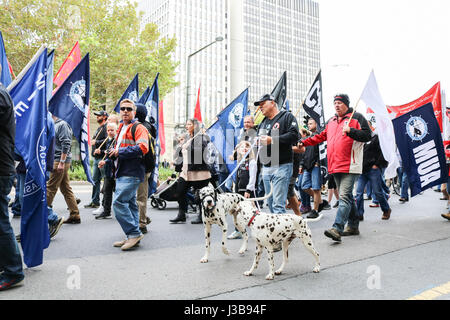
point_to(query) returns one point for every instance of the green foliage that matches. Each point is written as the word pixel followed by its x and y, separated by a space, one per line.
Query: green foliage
pixel 106 29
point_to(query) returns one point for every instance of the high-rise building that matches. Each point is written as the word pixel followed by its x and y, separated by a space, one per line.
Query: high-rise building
pixel 261 40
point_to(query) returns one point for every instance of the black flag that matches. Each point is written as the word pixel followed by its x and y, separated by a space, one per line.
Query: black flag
pixel 279 92
pixel 313 106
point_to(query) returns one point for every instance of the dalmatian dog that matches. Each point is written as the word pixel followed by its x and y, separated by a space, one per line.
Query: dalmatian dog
pixel 214 207
pixel 271 229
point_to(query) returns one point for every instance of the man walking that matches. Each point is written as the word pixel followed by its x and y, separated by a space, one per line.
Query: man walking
pixel 10 258
pixel 59 178
pixel 346 133
pixel 129 153
pixel 278 132
pixel 98 147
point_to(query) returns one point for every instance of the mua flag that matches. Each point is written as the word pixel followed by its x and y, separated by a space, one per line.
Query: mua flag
pixel 152 105
pixel 225 132
pixel 420 145
pixel 71 104
pixel 131 93
pixel 385 130
pixel 313 106
pixel 29 97
pixel 5 75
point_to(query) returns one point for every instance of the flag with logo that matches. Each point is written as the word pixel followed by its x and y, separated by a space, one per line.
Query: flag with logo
pixel 144 96
pixel 152 105
pixel 68 65
pixel 421 148
pixel 225 132
pixel 132 92
pixel 371 97
pixel 313 106
pixel 5 75
pixel 71 104
pixel 29 96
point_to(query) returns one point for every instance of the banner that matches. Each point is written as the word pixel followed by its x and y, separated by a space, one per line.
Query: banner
pixel 313 106
pixel 421 148
pixel 225 132
pixel 385 130
pixel 68 65
pixel 432 96
pixel 29 97
pixel 132 92
pixel 71 104
pixel 5 74
pixel 153 117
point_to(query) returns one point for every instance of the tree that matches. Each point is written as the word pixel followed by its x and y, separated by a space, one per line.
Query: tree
pixel 108 29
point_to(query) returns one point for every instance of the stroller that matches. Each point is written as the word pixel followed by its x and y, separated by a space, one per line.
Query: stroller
pixel 167 192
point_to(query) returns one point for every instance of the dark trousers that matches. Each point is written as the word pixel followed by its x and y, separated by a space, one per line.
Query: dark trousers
pixel 109 185
pixel 10 258
pixel 182 188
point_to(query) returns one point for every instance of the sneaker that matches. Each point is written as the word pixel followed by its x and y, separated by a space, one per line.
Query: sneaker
pixel 336 205
pixel 54 228
pixel 6 283
pixel 323 204
pixel 327 207
pixel 350 232
pixel 313 214
pixel 333 234
pixel 403 200
pixel 374 205
pixel 103 215
pixel 305 209
pixel 446 216
pixel 235 235
pixel 98 211
pixel 131 243
pixel 92 205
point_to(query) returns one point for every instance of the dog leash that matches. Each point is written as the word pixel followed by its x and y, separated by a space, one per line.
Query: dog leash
pixel 253 217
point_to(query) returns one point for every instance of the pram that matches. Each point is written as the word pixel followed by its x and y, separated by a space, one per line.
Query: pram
pixel 167 192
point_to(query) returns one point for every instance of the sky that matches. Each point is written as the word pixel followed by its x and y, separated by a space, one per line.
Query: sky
pixel 405 42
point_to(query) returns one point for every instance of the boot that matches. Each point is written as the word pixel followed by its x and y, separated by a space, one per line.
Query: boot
pixel 181 217
pixel 199 219
pixel 73 219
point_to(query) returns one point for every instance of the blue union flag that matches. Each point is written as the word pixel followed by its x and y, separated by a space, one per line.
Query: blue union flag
pixel 421 148
pixel 29 96
pixel 132 92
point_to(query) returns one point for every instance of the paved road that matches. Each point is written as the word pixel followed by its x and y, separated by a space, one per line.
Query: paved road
pixel 405 257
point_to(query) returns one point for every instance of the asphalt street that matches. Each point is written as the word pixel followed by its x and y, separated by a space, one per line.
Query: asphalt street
pixel 402 258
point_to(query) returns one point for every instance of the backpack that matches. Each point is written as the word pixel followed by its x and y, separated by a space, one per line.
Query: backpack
pixel 150 156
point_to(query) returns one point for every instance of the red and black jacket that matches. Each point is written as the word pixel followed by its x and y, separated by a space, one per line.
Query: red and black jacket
pixel 344 152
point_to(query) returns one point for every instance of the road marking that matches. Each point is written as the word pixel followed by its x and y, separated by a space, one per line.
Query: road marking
pixel 433 293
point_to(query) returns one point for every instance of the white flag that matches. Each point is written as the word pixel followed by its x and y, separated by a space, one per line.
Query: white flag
pixel 372 98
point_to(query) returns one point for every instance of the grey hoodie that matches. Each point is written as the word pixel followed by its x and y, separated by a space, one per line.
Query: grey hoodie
pixel 63 140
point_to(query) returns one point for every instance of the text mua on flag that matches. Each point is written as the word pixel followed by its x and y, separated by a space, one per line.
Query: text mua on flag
pixel 28 93
pixel 71 104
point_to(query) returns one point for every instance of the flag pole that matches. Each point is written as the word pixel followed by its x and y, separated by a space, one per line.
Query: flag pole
pixel 25 70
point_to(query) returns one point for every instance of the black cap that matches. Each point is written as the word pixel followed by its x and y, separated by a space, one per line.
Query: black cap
pixel 101 113
pixel 343 98
pixel 266 97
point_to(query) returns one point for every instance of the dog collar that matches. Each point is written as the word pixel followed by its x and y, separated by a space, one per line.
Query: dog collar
pixel 254 216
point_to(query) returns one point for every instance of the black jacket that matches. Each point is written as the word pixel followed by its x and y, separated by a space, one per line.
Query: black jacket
pixel 100 136
pixel 283 129
pixel 311 157
pixel 373 156
pixel 198 153
pixel 7 133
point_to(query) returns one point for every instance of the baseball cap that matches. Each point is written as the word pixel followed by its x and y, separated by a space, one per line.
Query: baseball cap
pixel 101 113
pixel 266 97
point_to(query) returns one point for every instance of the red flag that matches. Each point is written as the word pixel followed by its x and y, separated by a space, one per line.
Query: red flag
pixel 162 136
pixel 72 60
pixel 198 112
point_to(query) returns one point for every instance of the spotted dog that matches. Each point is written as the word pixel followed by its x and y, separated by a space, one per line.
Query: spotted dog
pixel 271 229
pixel 215 206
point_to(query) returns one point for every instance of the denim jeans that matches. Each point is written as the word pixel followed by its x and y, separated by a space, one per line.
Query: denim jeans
pixel 125 206
pixel 405 185
pixel 10 258
pixel 18 201
pixel 372 178
pixel 279 176
pixel 97 177
pixel 347 209
pixel 312 179
pixel 304 197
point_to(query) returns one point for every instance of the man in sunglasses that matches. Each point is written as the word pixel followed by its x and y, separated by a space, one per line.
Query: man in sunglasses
pixel 128 154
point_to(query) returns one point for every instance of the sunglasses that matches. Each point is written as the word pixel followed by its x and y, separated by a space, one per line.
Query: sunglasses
pixel 129 109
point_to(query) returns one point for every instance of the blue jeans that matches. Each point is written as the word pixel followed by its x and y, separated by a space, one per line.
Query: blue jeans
pixel 97 177
pixel 304 197
pixel 280 177
pixel 405 185
pixel 10 258
pixel 18 201
pixel 347 209
pixel 374 179
pixel 125 205
pixel 312 179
